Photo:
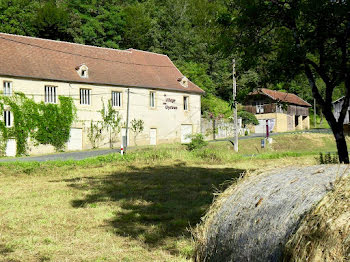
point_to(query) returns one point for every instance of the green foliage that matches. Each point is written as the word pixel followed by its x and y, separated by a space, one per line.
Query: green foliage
pixel 95 133
pixel 45 123
pixel 197 142
pixel 17 16
pixel 137 127
pixel 111 121
pixel 3 135
pixel 136 30
pixel 293 38
pixel 198 74
pixel 328 158
pixel 52 21
pixel 215 107
pixel 209 155
pixel 247 118
pixel 54 122
pixel 101 22
pixel 25 113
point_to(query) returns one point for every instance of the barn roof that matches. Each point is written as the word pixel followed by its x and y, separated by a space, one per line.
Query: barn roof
pixel 338 100
pixel 37 58
pixel 281 96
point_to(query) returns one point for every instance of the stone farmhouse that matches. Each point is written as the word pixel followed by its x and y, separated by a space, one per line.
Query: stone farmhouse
pixel 149 84
pixel 285 111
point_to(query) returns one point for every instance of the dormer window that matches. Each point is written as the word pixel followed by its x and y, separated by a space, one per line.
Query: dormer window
pixel 183 81
pixel 83 71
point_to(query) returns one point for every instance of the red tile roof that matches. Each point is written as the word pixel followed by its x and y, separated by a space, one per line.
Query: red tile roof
pixel 54 60
pixel 281 96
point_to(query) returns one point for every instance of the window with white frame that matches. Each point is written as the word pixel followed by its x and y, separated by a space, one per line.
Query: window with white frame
pixel 7 88
pixel 116 99
pixel 186 103
pixel 7 118
pixel 51 94
pixel 152 99
pixel 259 107
pixel 85 96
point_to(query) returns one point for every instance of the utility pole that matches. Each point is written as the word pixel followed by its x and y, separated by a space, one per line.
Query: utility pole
pixel 315 113
pixel 235 120
pixel 127 121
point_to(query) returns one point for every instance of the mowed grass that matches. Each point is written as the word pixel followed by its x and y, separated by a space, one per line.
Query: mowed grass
pixel 139 207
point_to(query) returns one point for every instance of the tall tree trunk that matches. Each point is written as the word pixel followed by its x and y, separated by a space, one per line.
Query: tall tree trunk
pixel 338 132
pixel 326 105
pixel 321 118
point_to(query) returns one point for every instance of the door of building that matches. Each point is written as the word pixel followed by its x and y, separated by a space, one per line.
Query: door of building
pixel 261 128
pixel 153 136
pixel 75 140
pixel 11 147
pixel 186 132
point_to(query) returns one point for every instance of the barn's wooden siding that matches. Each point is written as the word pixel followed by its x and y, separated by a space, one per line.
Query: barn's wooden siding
pixel 337 108
pixel 275 108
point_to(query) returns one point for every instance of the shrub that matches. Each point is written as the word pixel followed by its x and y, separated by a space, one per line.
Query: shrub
pixel 328 158
pixel 248 118
pixel 197 142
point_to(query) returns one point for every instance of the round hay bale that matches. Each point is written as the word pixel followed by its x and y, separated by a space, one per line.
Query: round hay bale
pixel 324 234
pixel 253 220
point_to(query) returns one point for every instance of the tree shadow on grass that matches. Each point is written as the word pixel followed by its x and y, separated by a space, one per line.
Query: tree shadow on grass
pixel 155 203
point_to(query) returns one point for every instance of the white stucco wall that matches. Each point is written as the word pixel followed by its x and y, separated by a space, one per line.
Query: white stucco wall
pixel 167 117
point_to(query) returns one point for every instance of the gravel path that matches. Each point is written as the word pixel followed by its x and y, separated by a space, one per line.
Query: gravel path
pixel 79 155
pixel 256 218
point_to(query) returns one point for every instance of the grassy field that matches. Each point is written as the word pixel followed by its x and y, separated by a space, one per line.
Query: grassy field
pixel 319 123
pixel 139 207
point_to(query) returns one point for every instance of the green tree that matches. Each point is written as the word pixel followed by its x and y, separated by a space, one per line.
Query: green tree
pixel 111 122
pixel 95 133
pixel 17 16
pixel 248 118
pixel 138 23
pixel 52 22
pixel 101 21
pixel 137 127
pixel 285 38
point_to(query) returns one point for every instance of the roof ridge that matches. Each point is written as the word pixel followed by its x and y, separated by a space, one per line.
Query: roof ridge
pixel 149 52
pixel 272 93
pixel 66 42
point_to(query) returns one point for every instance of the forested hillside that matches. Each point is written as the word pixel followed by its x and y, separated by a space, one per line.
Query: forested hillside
pixel 185 30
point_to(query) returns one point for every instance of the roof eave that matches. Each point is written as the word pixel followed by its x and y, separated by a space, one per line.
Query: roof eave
pixel 105 84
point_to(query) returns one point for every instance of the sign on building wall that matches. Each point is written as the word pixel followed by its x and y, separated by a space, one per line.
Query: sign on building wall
pixel 170 104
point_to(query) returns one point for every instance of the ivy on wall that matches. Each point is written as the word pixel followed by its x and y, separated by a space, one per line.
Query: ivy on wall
pixel 44 123
pixel 54 122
